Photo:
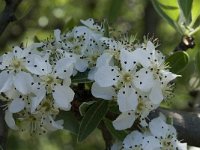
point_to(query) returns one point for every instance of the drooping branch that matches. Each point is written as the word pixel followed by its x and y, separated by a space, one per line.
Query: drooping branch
pixel 8 14
pixel 187 124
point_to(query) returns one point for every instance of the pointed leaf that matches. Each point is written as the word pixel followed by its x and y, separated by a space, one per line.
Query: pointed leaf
pixel 195 11
pixel 164 12
pixel 84 107
pixel 92 118
pixel 119 135
pixel 186 6
pixel 178 61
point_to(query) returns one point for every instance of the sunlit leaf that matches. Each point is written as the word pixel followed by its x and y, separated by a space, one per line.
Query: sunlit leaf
pixel 178 61
pixel 92 118
pixel 195 11
pixel 163 8
pixel 119 135
pixel 185 7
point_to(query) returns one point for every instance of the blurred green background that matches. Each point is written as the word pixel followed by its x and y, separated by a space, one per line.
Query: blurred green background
pixel 40 17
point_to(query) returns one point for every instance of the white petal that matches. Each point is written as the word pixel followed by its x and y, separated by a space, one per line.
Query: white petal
pixel 10 120
pixel 22 82
pixel 181 146
pixel 81 65
pixel 35 103
pixel 53 125
pixel 38 65
pixel 63 95
pixel 104 59
pixel 64 67
pixel 135 138
pixel 106 76
pixel 7 59
pixel 40 93
pixel 124 120
pixel 6 81
pixel 16 105
pixel 106 93
pixel 18 52
pixel 156 95
pixel 158 127
pixel 144 80
pixel 150 143
pixel 57 34
pixel 127 99
pixel 150 47
pixel 128 60
pixel 168 76
pixel 141 57
pixel 92 73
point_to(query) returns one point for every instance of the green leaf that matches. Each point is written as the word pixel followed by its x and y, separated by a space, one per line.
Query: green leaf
pixel 120 135
pixel 178 61
pixel 70 121
pixel 84 107
pixel 81 77
pixel 159 7
pixel 195 11
pixel 197 61
pixel 1 148
pixel 92 118
pixel 185 7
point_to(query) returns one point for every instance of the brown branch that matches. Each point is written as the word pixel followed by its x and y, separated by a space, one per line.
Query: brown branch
pixel 3 128
pixel 187 124
pixel 8 14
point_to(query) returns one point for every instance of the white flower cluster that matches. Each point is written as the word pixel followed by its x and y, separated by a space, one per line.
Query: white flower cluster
pixel 35 81
pixel 158 136
pixel 136 76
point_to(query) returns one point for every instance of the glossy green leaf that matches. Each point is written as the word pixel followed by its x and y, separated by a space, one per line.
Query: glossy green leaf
pixel 185 7
pixel 84 107
pixel 92 119
pixel 70 121
pixel 197 61
pixel 81 77
pixel 178 61
pixel 164 9
pixel 119 135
